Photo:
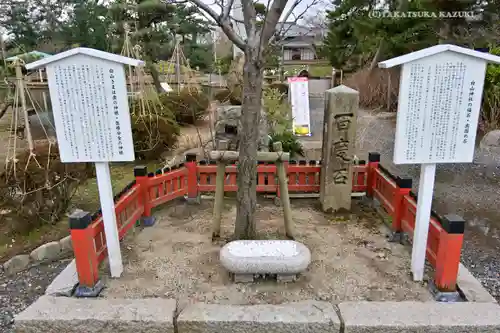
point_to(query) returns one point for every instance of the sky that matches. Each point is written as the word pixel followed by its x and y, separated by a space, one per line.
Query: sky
pixel 315 10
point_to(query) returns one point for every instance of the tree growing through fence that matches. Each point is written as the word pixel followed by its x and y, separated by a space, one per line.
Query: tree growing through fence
pixel 260 33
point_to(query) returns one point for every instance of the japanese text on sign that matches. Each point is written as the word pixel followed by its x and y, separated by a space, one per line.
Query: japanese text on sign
pixel 299 97
pixel 438 109
pixel 91 111
pixel 341 148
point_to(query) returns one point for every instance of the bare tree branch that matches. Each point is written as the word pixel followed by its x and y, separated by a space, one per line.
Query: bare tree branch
pixel 220 20
pixel 272 17
pixel 290 11
pixel 279 31
pixel 302 14
pixel 227 9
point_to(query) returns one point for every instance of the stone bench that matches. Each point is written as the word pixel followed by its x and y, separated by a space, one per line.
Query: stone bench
pixel 248 258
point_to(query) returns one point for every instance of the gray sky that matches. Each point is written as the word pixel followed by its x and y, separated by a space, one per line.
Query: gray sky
pixel 314 11
pixel 318 9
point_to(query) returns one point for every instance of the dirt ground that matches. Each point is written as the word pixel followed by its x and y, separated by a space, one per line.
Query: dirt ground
pixel 351 259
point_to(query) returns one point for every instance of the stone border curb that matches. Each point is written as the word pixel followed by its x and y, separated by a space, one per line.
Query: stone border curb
pixel 299 317
pixel 71 315
pixel 471 288
pixel 155 315
pixel 65 283
pixel 50 251
pixel 417 317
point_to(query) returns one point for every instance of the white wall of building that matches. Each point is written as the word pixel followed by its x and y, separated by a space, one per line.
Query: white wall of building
pixel 305 54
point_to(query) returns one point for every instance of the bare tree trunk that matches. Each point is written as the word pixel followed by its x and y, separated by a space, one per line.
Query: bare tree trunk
pixel 377 56
pixel 155 76
pixel 245 227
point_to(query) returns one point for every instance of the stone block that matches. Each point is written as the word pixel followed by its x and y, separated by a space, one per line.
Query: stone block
pixel 70 315
pixel 64 284
pixel 49 251
pixel 490 140
pixel 286 277
pixel 490 151
pixel 16 264
pixel 228 119
pixel 471 288
pixel 420 317
pixel 300 317
pixel 243 278
pixel 265 257
pixel 339 135
pixel 66 244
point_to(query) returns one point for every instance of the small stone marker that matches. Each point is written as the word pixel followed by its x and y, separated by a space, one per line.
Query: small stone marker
pixel 339 133
pixel 91 115
pixel 246 258
pixel 439 101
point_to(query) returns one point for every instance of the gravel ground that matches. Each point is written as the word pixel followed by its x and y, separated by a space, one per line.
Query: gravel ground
pixel 470 190
pixel 351 259
pixel 19 291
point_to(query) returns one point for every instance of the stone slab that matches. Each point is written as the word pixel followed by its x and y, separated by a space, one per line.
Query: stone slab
pixel 299 317
pixel 71 315
pixel 420 317
pixel 66 244
pixel 265 257
pixel 48 251
pixel 471 288
pixel 16 264
pixel 64 284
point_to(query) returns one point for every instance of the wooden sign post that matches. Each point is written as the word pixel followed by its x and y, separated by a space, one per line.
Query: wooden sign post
pixel 91 114
pixel 439 101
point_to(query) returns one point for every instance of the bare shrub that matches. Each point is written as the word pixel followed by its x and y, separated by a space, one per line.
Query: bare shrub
pixel 278 111
pixel 490 113
pixel 227 95
pixel 378 88
pixel 188 106
pixel 153 136
pixel 39 193
pixel 235 80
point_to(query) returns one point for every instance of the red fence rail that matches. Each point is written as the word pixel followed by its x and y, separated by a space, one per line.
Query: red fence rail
pixel 445 240
pixel 191 178
pixel 302 178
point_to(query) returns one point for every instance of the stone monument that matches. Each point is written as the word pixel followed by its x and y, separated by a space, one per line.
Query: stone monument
pixel 228 125
pixel 339 133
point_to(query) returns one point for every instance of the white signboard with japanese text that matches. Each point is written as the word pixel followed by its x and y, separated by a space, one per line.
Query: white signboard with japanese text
pixel 299 98
pixel 438 111
pixel 90 106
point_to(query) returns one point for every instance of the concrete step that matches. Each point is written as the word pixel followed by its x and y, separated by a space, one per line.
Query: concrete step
pixel 155 315
pixel 71 315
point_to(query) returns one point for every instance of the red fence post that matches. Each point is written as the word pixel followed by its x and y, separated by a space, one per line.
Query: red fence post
pixel 142 179
pixel 373 162
pixel 403 188
pixel 193 195
pixel 448 254
pixel 87 265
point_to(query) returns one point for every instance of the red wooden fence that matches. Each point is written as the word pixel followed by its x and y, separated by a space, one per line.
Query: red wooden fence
pixel 444 243
pixel 190 179
pixel 302 177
